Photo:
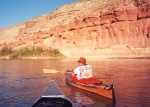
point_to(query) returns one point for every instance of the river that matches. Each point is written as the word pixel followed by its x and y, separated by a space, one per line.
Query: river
pixel 23 81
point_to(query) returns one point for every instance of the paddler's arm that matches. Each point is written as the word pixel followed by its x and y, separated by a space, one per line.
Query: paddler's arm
pixel 70 71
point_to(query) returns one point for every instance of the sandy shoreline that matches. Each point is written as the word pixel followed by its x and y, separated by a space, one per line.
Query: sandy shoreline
pixel 115 56
pixel 102 56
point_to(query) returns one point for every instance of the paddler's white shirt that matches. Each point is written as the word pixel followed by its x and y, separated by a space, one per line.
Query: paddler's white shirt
pixel 83 72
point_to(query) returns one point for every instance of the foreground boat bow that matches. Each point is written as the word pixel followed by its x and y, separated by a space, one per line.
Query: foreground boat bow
pixel 53 97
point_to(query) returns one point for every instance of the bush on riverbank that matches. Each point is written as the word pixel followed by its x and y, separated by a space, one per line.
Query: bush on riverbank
pixel 26 52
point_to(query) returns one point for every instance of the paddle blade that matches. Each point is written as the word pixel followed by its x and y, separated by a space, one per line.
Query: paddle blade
pixel 48 70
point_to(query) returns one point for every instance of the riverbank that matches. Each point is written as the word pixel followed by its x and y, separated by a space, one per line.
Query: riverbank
pixel 26 53
pixel 33 57
pixel 115 56
pixel 101 56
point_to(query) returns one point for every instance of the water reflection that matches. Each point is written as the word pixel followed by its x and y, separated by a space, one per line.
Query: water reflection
pixel 87 99
pixel 23 81
pixel 82 100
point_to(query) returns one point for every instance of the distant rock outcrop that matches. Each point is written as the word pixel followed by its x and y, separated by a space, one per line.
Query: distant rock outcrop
pixel 89 27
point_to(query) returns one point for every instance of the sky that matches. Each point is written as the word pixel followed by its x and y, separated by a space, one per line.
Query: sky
pixel 13 12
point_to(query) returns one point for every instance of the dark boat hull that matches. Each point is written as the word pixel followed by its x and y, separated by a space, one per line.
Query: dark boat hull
pixel 53 97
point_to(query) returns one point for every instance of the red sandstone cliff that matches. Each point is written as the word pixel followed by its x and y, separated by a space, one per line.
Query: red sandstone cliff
pixel 90 27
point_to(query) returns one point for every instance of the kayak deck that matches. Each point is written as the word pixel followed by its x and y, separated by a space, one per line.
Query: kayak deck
pixel 53 97
pixel 52 90
pixel 52 102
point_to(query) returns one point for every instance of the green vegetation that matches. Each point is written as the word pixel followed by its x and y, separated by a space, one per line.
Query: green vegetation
pixel 5 51
pixel 26 52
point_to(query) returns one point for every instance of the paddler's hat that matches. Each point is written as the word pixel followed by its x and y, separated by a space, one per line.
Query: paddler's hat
pixel 82 60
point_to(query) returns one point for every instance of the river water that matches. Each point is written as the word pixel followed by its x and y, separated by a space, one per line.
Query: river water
pixel 23 81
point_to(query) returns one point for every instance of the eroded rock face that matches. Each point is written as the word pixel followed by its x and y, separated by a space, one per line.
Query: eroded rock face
pixel 90 27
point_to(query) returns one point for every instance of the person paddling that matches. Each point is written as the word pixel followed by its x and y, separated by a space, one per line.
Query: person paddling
pixel 83 71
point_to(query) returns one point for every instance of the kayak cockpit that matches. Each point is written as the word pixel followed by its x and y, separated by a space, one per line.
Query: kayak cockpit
pixel 52 102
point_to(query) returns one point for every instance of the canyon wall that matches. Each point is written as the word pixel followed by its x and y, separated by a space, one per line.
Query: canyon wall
pixel 89 27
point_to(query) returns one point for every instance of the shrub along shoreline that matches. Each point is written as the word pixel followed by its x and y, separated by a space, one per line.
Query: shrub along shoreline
pixel 50 53
pixel 25 52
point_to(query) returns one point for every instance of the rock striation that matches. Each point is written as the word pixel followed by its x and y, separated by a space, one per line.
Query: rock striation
pixel 88 27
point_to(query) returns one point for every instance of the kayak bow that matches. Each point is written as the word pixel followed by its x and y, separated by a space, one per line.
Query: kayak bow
pixel 53 97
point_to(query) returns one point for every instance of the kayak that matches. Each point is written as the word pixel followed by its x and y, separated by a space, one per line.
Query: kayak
pixel 97 88
pixel 53 97
pixel 48 70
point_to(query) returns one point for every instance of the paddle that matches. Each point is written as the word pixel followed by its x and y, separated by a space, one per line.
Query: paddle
pixel 49 70
pixel 53 71
pixel 105 74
